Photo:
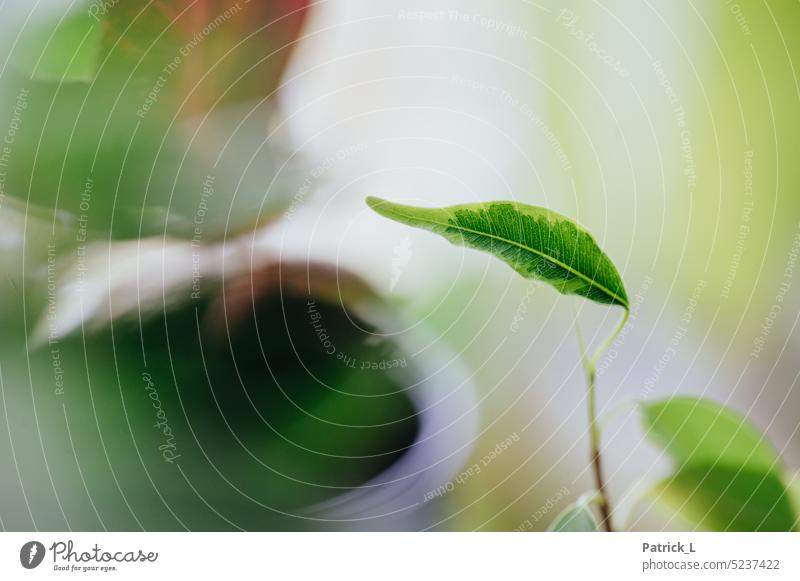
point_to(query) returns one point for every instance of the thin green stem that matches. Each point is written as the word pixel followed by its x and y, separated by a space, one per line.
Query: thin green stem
pixel 590 367
pixel 610 341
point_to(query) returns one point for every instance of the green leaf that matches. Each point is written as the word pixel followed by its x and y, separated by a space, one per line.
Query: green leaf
pixel 65 50
pixel 728 477
pixel 792 483
pixel 576 518
pixel 700 432
pixel 727 498
pixel 538 243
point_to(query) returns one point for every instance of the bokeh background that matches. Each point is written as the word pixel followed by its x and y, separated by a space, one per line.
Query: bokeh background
pixel 668 129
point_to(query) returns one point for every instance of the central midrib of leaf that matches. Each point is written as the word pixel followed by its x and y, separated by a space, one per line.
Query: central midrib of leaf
pixel 544 255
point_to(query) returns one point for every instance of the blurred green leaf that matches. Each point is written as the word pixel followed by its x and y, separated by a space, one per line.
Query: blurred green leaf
pixel 729 498
pixel 65 50
pixel 793 486
pixel 175 131
pixel 577 517
pixel 727 478
pixel 700 432
pixel 536 242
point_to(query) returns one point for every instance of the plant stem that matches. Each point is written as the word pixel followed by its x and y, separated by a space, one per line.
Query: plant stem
pixel 594 446
pixel 590 367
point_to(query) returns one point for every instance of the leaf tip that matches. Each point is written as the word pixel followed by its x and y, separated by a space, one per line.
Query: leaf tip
pixel 374 202
pixel 383 207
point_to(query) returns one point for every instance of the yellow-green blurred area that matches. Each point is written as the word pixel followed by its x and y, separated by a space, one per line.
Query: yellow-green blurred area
pixel 668 129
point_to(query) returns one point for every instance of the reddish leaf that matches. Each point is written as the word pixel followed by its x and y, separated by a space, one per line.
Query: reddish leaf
pixel 208 51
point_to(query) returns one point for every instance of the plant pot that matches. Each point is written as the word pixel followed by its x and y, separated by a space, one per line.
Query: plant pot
pixel 269 402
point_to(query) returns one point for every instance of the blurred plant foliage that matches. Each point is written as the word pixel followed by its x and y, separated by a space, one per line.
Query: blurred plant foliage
pixel 727 475
pixel 131 109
